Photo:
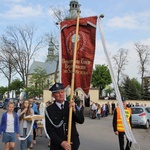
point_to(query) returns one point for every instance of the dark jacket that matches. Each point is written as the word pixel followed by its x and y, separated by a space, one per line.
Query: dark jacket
pixel 59 134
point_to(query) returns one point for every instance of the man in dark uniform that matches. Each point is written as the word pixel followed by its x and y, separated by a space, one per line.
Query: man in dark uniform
pixel 57 116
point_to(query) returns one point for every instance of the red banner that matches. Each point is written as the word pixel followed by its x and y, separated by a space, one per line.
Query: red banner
pixel 85 51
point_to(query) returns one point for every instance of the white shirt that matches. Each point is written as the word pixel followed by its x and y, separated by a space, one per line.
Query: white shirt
pixel 10 123
pixel 104 108
pixel 24 123
pixel 59 104
pixel 42 108
pixel 94 107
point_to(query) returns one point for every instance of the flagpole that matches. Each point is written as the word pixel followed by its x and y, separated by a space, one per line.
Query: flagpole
pixel 73 78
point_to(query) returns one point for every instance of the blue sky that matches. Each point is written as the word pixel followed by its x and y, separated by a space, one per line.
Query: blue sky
pixel 125 22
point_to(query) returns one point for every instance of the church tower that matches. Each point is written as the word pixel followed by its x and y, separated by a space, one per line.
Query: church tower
pixel 50 50
pixel 73 11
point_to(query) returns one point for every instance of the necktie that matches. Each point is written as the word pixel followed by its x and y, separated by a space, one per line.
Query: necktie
pixel 62 106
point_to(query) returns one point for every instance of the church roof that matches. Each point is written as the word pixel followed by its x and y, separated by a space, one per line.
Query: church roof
pixel 49 66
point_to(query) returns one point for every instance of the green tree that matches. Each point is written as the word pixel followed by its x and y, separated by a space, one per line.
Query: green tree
pixel 146 93
pixel 33 91
pixel 38 81
pixel 131 88
pixel 101 77
pixel 16 85
pixel 109 90
pixel 2 90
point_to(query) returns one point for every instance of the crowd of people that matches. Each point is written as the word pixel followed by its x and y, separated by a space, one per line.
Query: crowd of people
pixel 21 127
pixel 98 111
pixel 15 124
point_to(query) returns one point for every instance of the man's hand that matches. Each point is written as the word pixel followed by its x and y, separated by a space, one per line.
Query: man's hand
pixel 72 104
pixel 65 145
pixel 116 132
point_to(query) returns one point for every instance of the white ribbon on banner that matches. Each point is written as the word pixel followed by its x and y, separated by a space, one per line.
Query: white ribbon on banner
pixel 128 131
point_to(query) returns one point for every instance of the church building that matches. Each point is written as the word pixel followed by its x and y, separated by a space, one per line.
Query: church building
pixel 51 65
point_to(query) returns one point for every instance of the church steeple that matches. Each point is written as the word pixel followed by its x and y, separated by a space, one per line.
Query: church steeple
pixel 50 50
pixel 73 11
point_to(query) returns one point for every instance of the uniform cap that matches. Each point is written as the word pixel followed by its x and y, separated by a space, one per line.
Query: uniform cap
pixel 56 87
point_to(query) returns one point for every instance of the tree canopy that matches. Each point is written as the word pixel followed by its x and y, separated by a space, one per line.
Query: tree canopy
pixel 131 89
pixel 38 82
pixel 101 77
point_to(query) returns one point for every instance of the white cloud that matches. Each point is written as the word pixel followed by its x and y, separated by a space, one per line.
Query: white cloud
pixel 50 12
pixel 131 21
pixel 86 11
pixel 123 22
pixel 146 41
pixel 19 11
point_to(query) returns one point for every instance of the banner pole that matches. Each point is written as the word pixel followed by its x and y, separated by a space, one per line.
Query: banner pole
pixel 72 79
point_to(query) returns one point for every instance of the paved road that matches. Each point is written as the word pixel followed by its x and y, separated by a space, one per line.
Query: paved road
pixel 96 135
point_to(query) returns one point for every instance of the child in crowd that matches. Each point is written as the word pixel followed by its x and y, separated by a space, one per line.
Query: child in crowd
pixel 25 125
pixel 10 130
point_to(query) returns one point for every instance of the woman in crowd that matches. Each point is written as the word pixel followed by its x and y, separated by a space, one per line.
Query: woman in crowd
pixel 11 129
pixel 25 125
pixel 99 111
